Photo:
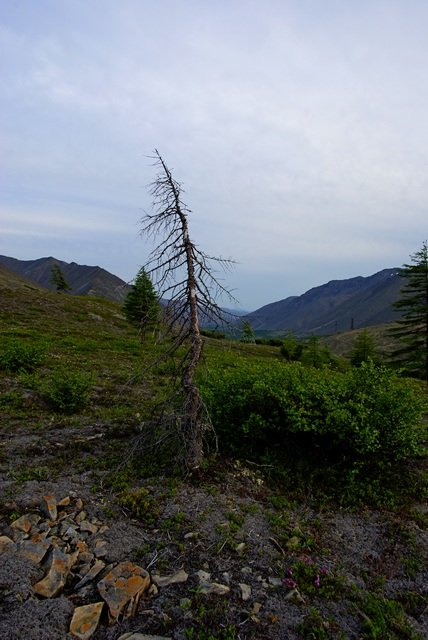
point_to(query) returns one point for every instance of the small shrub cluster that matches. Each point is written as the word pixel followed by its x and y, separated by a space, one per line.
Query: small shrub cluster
pixel 311 579
pixel 67 391
pixel 141 504
pixel 18 356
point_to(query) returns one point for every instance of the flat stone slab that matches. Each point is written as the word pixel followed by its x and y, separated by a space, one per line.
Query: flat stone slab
pixel 215 588
pixel 85 620
pixel 100 550
pixel 121 585
pixel 85 525
pixel 25 522
pixel 176 578
pixel 245 591
pixel 54 580
pixel 35 548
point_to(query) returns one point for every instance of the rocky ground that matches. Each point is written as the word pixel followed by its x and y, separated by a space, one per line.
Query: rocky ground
pixel 84 554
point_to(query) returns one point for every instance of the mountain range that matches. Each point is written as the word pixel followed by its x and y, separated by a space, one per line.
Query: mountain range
pixel 337 306
pixel 84 280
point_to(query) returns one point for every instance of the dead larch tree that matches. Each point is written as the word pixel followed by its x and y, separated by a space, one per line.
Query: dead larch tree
pixel 185 279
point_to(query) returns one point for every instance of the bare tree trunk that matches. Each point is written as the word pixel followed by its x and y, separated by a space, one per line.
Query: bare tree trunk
pixel 192 425
pixel 174 253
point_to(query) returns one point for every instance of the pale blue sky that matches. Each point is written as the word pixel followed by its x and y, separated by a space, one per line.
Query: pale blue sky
pixel 298 128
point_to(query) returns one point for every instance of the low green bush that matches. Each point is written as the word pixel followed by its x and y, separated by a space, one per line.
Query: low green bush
pixel 11 400
pixel 365 417
pixel 67 391
pixel 17 356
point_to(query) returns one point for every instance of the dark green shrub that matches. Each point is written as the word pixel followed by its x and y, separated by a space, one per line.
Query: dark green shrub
pixel 213 333
pixel 12 400
pixel 16 356
pixel 67 391
pixel 364 415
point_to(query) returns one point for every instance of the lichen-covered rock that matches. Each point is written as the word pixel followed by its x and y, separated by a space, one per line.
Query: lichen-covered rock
pixel 54 580
pixel 25 522
pixel 121 585
pixel 35 548
pixel 85 620
pixel 48 506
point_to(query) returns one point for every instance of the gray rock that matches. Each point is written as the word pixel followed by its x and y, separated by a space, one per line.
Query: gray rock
pixel 176 578
pixel 214 588
pixel 245 591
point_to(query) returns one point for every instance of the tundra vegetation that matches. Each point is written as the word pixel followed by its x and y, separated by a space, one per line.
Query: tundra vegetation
pixel 304 446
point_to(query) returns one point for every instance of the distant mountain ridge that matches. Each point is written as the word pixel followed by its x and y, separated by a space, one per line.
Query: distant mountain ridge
pixel 83 279
pixel 339 305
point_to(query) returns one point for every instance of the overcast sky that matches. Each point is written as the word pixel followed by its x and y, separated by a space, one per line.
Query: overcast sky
pixel 299 129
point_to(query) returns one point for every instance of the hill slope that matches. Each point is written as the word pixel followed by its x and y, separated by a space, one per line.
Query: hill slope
pixel 83 279
pixel 336 306
pixel 217 543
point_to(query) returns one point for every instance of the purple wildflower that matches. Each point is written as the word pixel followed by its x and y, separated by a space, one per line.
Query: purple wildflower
pixel 317 581
pixel 289 583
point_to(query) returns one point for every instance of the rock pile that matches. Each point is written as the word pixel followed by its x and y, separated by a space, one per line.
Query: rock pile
pixel 69 549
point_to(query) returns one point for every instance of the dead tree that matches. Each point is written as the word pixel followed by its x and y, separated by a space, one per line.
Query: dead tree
pixel 185 277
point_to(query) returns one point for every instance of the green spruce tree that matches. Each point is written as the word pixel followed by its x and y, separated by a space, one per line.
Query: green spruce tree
pixel 58 279
pixel 314 354
pixel 364 349
pixel 141 305
pixel 412 329
pixel 247 333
